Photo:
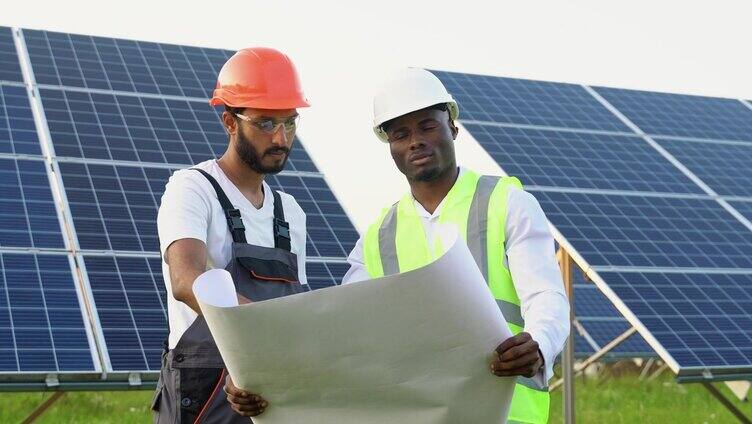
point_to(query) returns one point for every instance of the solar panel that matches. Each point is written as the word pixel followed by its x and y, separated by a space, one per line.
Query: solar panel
pixel 18 134
pixel 129 294
pixel 10 68
pixel 725 167
pixel 603 323
pixel 130 128
pixel 42 327
pixel 28 217
pixel 702 320
pixel 582 160
pixel 682 115
pixel 629 212
pixel 517 101
pixel 123 65
pixel 621 230
pixel 114 207
pixel 745 208
pixel 325 274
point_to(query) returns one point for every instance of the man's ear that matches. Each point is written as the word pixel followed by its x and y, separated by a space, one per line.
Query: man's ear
pixel 454 128
pixel 229 123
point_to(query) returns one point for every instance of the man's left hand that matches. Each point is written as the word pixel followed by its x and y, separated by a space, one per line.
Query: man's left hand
pixel 517 355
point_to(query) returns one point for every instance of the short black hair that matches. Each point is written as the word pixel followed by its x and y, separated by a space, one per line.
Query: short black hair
pixel 437 106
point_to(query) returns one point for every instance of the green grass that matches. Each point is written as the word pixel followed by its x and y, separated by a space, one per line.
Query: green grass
pixel 615 396
pixel 625 399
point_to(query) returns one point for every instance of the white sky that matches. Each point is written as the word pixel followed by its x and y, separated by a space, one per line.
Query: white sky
pixel 344 50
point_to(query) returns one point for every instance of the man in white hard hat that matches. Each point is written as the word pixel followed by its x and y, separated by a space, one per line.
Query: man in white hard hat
pixel 505 228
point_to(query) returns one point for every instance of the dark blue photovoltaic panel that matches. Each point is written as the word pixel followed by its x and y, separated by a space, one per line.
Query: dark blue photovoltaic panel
pixel 700 319
pixel 18 133
pixel 582 349
pixel 589 302
pixel 682 115
pixel 10 68
pixel 114 207
pixel 603 322
pixel 28 217
pixel 604 332
pixel 649 231
pixel 581 160
pixel 725 167
pixel 325 274
pixel 41 323
pixel 330 231
pixel 517 101
pixel 130 298
pixel 123 65
pixel 141 129
pixel 745 208
pixel 129 128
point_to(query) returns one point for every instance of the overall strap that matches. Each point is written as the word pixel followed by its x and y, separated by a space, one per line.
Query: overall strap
pixel 281 227
pixel 237 229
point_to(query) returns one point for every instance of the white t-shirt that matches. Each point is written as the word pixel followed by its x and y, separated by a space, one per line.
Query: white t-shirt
pixel 190 209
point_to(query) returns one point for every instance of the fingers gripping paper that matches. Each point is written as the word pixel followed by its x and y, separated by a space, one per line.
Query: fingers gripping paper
pixel 409 348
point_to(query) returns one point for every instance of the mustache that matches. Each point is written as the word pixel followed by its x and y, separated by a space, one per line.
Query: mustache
pixel 273 150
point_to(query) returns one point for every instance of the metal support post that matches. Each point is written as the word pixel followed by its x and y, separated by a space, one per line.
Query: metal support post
pixel 41 409
pixel 727 403
pixel 567 357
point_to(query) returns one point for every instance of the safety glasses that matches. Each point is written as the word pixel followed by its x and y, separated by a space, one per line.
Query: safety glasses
pixel 271 126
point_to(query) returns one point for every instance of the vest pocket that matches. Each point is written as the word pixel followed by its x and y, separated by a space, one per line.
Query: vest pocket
pixel 270 271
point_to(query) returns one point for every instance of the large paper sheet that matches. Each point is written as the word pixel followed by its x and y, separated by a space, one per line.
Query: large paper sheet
pixel 409 348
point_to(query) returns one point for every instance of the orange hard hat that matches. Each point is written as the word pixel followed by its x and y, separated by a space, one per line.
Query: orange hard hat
pixel 259 77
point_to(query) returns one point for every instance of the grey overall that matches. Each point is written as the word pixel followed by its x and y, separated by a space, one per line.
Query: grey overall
pixel 190 384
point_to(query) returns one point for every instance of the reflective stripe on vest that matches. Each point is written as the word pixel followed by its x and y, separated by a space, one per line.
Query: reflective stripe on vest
pixel 483 199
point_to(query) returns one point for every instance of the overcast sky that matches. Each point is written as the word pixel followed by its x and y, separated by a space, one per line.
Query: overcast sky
pixel 344 49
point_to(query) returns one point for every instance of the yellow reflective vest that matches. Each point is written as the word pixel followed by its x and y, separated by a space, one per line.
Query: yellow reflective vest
pixel 477 206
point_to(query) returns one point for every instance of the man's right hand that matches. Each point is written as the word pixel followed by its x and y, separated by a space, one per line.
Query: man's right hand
pixel 242 402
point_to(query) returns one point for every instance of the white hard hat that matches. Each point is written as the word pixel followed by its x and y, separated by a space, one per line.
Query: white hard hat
pixel 407 91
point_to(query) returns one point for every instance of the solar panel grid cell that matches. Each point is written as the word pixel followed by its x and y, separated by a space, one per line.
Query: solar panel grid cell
pixel 682 115
pixel 41 323
pixel 18 133
pixel 28 217
pixel 123 65
pixel 10 68
pixel 581 160
pixel 527 102
pixel 620 230
pixel 725 167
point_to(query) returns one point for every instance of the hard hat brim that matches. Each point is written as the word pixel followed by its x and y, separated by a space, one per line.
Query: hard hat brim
pixel 452 108
pixel 257 103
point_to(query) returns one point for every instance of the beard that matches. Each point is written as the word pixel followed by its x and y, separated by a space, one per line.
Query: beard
pixel 254 159
pixel 428 174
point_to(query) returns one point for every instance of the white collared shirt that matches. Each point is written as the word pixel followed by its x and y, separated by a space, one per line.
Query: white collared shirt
pixel 532 261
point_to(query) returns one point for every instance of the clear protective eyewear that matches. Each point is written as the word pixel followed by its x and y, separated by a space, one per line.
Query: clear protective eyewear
pixel 271 126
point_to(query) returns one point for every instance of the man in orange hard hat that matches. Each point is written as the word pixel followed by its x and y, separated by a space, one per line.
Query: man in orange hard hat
pixel 221 214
